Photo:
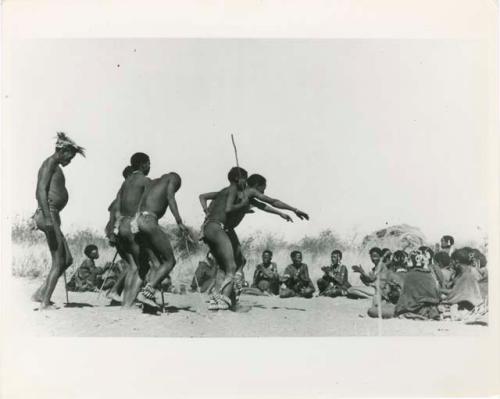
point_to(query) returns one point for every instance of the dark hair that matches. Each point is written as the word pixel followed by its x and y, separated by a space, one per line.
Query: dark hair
pixel 428 250
pixel 292 255
pixel 375 250
pixel 462 256
pixel 89 248
pixel 399 255
pixel 477 254
pixel 138 159
pixel 268 251
pixel 442 259
pixel 236 173
pixel 127 171
pixel 338 252
pixel 256 180
pixel 449 239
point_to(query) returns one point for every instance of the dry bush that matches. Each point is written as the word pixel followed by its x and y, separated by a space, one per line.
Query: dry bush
pixel 31 257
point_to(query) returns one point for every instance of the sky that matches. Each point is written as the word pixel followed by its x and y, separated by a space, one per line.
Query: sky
pixel 359 133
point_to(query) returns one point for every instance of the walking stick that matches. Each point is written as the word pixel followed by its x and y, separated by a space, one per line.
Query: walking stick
pixel 379 296
pixel 104 282
pixel 198 290
pixel 66 287
pixel 162 300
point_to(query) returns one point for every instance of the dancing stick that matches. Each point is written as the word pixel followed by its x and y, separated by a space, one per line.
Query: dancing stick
pixel 104 282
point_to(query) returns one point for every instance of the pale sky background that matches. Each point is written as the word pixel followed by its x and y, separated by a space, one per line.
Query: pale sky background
pixel 358 133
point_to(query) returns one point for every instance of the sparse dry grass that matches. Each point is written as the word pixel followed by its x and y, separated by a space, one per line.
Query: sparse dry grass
pixel 31 257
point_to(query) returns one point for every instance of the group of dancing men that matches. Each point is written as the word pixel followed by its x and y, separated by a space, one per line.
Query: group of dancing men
pixel 134 230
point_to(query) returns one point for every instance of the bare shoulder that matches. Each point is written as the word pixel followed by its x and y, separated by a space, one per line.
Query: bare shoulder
pixel 251 192
pixel 49 163
pixel 48 168
pixel 173 177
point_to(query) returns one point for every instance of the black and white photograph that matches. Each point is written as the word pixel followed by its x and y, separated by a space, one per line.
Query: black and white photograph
pixel 249 187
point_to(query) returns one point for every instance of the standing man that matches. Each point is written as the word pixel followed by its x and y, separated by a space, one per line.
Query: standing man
pixel 226 211
pixel 126 207
pixel 116 290
pixel 157 198
pixel 52 197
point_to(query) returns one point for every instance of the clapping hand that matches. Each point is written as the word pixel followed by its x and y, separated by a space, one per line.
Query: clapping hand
pixel 357 269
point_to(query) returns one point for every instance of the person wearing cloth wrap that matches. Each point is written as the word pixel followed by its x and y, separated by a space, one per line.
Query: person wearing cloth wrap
pixel 266 277
pixel 52 197
pixel 116 290
pixel 335 280
pixel 152 239
pixel 126 206
pixel 227 209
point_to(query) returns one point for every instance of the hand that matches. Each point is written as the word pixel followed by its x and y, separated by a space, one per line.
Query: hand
pixel 48 223
pixel 112 240
pixel 357 269
pixel 183 229
pixel 286 217
pixel 301 215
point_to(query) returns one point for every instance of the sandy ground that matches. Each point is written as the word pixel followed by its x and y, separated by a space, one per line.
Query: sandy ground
pixel 187 316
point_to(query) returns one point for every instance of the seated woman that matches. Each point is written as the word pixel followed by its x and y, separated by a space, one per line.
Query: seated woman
pixel 266 278
pixel 391 285
pixel 204 275
pixel 368 279
pixel 420 295
pixel 443 261
pixel 296 280
pixel 463 290
pixel 432 267
pixel 88 277
pixel 335 279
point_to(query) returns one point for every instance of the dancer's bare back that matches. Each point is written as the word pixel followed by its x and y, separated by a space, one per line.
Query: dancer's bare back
pixel 159 194
pixel 131 191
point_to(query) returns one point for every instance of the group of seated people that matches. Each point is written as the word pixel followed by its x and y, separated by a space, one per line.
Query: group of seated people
pixel 418 284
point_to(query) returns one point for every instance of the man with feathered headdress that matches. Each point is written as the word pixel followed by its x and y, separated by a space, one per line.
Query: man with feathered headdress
pixel 52 197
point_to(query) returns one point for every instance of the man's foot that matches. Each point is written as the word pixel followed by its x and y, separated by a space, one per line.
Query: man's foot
pixel 147 296
pixel 50 306
pixel 36 297
pixel 114 297
pixel 223 302
pixel 213 305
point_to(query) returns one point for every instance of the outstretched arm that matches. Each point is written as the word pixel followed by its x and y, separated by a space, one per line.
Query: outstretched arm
pixel 270 209
pixel 278 203
pixel 204 198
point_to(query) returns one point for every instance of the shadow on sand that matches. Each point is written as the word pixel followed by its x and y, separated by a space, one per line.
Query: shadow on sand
pixel 276 307
pixel 78 305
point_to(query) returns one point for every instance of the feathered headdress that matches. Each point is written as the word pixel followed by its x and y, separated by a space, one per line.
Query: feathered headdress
pixel 63 141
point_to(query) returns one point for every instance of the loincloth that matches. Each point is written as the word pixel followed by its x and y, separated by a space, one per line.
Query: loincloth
pixel 37 222
pixel 55 237
pixel 204 225
pixel 134 224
